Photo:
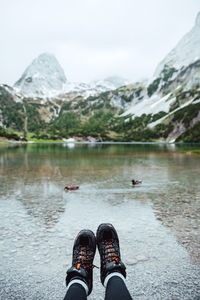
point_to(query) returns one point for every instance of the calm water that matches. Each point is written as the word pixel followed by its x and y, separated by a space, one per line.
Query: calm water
pixel 158 221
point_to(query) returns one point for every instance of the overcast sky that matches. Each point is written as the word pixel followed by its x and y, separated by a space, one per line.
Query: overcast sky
pixel 92 39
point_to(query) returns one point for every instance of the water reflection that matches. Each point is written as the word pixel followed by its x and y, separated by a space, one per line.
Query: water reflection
pixel 36 175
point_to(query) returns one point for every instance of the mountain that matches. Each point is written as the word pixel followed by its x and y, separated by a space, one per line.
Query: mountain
pixel 95 87
pixel 163 108
pixel 186 51
pixel 160 93
pixel 112 82
pixel 43 77
pixel 174 90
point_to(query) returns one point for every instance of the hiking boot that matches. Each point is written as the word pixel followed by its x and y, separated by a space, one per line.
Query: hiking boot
pixel 108 245
pixel 82 259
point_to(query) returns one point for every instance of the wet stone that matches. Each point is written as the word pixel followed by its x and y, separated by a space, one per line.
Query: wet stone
pixel 51 230
pixel 141 258
pixel 35 244
pixel 61 235
pixel 47 261
pixel 13 251
pixel 174 282
pixel 36 258
pixel 28 233
pixel 176 297
pixel 19 246
pixel 132 262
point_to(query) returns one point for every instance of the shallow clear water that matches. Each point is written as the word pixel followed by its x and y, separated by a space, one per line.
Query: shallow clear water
pixel 157 222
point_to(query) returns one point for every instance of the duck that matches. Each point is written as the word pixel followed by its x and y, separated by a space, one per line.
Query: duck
pixel 71 187
pixel 134 182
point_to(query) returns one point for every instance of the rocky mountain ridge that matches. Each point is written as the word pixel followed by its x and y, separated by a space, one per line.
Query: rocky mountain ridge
pixel 45 78
pixel 185 52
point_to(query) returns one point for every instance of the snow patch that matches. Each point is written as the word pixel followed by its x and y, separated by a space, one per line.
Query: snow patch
pixel 152 105
pixel 70 140
pixel 153 124
pixel 196 101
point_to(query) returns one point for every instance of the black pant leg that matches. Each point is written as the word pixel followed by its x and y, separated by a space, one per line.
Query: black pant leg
pixel 76 292
pixel 116 289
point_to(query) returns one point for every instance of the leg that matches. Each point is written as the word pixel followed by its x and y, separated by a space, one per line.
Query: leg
pixel 116 289
pixel 79 278
pixel 113 270
pixel 76 292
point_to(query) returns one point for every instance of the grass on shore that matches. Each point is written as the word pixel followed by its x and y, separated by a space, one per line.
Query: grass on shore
pixel 195 151
pixel 44 141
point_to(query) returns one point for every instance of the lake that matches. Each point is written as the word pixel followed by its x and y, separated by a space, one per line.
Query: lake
pixel 157 221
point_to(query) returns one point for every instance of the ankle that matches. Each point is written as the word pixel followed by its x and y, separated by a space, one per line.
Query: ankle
pixel 80 281
pixel 110 275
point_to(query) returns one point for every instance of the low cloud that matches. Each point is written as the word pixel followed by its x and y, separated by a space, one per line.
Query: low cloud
pixel 92 38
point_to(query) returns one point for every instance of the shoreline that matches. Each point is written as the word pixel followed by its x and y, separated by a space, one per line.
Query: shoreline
pixel 31 141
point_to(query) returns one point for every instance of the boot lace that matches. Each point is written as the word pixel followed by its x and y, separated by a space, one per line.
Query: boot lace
pixel 110 253
pixel 84 259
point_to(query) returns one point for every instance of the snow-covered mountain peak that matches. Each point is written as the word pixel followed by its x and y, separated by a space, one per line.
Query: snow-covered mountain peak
pixel 186 51
pixel 44 76
pixel 95 87
pixel 197 22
